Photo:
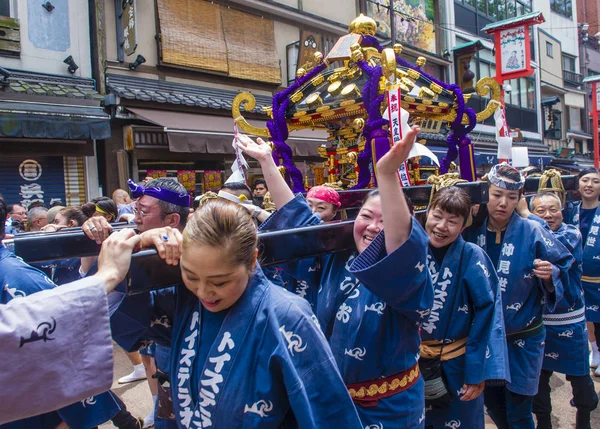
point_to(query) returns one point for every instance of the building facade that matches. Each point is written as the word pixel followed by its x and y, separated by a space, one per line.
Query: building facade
pixel 563 95
pixel 588 17
pixel 171 70
pixel 50 111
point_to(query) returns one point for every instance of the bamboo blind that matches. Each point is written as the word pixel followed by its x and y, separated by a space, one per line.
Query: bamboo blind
pixel 192 34
pixel 199 34
pixel 251 50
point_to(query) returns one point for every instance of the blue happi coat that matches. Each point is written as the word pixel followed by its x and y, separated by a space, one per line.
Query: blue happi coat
pixel 18 279
pixel 524 297
pixel 371 307
pixel 590 279
pixel 567 348
pixel 268 367
pixel 466 304
pixel 61 271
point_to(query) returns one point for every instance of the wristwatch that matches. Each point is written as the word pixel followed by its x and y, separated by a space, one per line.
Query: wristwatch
pixel 256 212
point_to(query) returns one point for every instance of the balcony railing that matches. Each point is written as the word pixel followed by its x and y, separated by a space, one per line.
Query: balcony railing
pixel 572 77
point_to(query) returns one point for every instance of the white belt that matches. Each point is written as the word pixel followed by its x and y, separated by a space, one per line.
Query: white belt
pixel 565 318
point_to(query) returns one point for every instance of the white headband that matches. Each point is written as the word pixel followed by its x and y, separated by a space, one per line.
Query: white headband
pixel 502 183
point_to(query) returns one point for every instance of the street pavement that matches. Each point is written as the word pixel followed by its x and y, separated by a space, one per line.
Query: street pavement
pixel 139 401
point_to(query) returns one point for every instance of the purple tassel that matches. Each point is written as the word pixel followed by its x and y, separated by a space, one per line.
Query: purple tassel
pixel 279 131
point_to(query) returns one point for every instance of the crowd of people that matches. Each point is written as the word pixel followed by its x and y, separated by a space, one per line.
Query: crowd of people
pixel 429 322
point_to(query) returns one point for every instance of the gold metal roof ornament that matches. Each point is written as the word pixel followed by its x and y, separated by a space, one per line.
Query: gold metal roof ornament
pixel 349 85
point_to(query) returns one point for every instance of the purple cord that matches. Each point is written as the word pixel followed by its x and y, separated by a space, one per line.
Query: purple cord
pixel 279 130
pixel 456 140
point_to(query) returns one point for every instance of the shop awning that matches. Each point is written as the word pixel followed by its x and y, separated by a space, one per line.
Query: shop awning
pixel 579 135
pixel 486 157
pixel 490 157
pixel 573 167
pixel 53 121
pixel 197 133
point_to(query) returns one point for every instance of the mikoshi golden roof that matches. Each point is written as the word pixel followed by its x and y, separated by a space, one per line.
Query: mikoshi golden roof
pixel 332 99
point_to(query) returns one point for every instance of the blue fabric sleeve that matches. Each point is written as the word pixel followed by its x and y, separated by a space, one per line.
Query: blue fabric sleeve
pixel 481 283
pixel 540 221
pixel 548 248
pixel 570 211
pixel 132 321
pixel 295 214
pixel 401 279
pixel 317 394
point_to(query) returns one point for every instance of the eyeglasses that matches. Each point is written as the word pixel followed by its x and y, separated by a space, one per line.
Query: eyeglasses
pixel 142 213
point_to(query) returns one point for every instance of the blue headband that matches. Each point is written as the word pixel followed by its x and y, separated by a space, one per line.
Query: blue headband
pixel 166 195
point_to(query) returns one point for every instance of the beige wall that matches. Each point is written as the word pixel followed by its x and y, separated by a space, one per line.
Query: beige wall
pixel 550 64
pixel 51 61
pixel 342 11
pixel 284 35
pixel 291 3
pixel 563 28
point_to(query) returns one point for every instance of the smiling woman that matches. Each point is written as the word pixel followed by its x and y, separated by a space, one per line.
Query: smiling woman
pixel 369 301
pixel 244 353
pixel 220 250
pixel 464 328
pixel 585 215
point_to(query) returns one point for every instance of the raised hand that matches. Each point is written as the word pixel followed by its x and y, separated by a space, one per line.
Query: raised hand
pixel 391 161
pixel 259 149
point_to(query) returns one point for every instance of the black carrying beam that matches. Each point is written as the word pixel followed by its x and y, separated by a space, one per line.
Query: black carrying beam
pixel 419 195
pixel 51 246
pixel 570 183
pixel 149 272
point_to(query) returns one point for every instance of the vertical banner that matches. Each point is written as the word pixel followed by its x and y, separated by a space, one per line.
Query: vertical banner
pixel 188 179
pixel 513 49
pixel 212 180
pixel 502 136
pixel 238 166
pixel 319 175
pixel 310 42
pixel 395 126
pixel 129 27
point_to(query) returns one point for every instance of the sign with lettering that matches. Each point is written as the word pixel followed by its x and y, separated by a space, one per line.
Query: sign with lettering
pixel 28 180
pixel 128 27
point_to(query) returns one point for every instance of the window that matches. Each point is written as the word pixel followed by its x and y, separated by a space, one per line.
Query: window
pixel 10 39
pixel 574 118
pixel 4 7
pixel 568 62
pixel 549 49
pixel 562 7
pixel 530 84
pixel 499 9
pixel 553 124
pixel 292 60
